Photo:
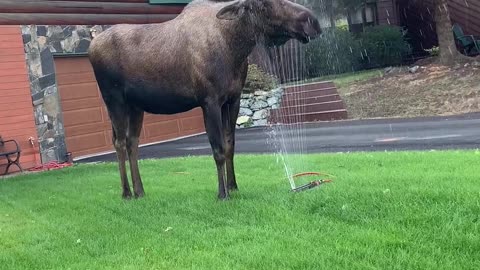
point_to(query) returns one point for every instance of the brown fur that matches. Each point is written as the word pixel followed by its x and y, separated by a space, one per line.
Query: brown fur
pixel 198 59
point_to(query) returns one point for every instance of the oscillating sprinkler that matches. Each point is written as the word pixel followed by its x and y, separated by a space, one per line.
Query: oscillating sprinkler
pixel 311 184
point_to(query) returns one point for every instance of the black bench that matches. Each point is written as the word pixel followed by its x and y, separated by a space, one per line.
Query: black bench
pixel 11 151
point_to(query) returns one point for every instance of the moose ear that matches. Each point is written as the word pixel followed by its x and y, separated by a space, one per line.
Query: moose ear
pixel 231 12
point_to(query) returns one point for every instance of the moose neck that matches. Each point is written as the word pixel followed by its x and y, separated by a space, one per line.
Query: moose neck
pixel 242 36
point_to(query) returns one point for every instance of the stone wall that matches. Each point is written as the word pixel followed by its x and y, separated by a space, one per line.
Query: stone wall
pixel 255 108
pixel 41 43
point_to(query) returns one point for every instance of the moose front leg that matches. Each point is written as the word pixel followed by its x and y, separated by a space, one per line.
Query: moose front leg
pixel 212 115
pixel 229 115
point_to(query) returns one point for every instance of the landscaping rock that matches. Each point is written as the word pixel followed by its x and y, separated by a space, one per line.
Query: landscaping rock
pixel 247 96
pixel 260 93
pixel 277 92
pixel 262 98
pixel 245 111
pixel 243 120
pixel 262 114
pixel 413 69
pixel 245 103
pixel 260 104
pixel 272 101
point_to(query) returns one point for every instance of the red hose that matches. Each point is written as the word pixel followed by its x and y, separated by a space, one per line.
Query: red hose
pixel 52 165
pixel 309 173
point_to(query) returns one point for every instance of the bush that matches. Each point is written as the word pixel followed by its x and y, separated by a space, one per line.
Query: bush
pixel 340 51
pixel 336 52
pixel 383 46
pixel 434 51
pixel 258 80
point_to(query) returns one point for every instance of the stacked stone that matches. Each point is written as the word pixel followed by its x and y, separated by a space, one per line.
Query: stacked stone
pixel 255 108
pixel 41 43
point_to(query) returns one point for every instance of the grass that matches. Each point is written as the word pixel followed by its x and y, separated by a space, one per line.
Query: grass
pixel 406 210
pixel 343 80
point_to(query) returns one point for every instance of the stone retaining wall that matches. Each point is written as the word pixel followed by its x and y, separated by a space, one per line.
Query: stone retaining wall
pixel 255 108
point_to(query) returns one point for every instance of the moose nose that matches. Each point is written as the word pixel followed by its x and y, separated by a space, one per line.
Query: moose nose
pixel 313 28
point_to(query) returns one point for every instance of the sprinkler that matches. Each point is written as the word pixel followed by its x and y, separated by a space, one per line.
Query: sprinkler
pixel 311 184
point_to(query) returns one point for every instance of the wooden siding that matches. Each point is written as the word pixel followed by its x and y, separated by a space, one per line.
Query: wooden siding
pixel 85 12
pixel 16 110
pixel 467 14
pixel 386 12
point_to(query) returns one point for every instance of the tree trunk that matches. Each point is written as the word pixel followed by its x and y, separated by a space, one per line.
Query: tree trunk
pixel 332 19
pixel 330 12
pixel 446 41
pixel 364 15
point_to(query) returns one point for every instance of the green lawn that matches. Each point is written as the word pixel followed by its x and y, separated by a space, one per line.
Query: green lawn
pixel 407 210
pixel 346 79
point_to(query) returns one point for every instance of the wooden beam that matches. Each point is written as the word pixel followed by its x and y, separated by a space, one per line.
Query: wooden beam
pixel 78 7
pixel 81 19
pixel 95 1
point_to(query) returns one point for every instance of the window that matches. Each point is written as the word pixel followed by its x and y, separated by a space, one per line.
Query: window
pixel 355 16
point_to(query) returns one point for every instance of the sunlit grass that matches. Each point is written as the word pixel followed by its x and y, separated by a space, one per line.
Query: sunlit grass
pixel 346 79
pixel 407 210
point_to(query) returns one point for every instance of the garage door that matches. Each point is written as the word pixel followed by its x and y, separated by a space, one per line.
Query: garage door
pixel 86 121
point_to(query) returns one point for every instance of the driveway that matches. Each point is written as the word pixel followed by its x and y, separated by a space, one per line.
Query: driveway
pixel 456 132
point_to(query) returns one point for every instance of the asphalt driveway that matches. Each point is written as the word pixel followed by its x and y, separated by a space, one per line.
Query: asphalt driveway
pixel 457 132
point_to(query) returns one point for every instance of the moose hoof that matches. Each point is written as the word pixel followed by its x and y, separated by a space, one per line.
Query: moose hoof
pixel 127 195
pixel 233 188
pixel 139 194
pixel 223 197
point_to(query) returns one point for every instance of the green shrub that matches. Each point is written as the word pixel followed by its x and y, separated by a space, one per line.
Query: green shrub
pixel 258 80
pixel 335 52
pixel 383 46
pixel 434 51
pixel 340 51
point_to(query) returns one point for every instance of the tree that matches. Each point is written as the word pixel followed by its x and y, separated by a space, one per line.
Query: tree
pixel 330 9
pixel 446 42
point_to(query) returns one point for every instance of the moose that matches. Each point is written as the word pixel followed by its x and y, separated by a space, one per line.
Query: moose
pixel 198 59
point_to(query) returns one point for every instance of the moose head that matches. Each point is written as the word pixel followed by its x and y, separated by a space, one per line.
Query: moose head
pixel 274 21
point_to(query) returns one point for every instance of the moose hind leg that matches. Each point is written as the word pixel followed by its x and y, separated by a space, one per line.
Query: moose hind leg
pixel 213 123
pixel 112 96
pixel 119 141
pixel 135 121
pixel 229 116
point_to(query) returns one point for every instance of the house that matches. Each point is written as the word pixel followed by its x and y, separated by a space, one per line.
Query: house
pixel 49 100
pixel 417 17
pixel 414 15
